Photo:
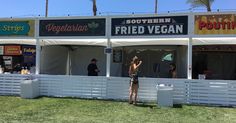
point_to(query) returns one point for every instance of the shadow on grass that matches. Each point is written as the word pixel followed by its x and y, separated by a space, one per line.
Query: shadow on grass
pixel 177 106
pixel 156 106
pixel 146 106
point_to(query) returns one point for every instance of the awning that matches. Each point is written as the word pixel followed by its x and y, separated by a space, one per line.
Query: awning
pixel 149 41
pixel 214 41
pixel 18 41
pixel 94 42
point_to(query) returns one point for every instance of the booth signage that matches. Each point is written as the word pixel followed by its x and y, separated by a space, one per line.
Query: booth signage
pixel 8 62
pixel 73 27
pixel 12 50
pixel 29 50
pixel 215 24
pixel 1 50
pixel 150 26
pixel 108 50
pixel 17 28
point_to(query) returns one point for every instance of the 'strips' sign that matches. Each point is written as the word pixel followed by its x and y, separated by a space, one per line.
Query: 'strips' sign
pixel 17 28
pixel 150 26
pixel 72 27
pixel 215 24
pixel 12 50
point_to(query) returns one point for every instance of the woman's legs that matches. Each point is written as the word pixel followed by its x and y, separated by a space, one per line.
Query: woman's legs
pixel 135 90
pixel 131 90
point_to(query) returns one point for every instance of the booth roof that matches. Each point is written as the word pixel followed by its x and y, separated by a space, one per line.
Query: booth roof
pixel 215 41
pixel 94 42
pixel 149 41
pixel 18 41
pixel 127 41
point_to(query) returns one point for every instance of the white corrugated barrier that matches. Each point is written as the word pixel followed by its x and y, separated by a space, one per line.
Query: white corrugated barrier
pixel 209 92
pixel 10 84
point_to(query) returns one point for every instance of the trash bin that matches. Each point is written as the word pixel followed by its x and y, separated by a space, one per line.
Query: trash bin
pixel 164 95
pixel 29 89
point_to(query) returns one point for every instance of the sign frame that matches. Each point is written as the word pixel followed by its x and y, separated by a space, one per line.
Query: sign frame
pixel 17 28
pixel 146 28
pixel 212 24
pixel 72 27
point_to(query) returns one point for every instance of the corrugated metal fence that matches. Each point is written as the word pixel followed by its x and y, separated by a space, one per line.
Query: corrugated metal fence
pixel 216 92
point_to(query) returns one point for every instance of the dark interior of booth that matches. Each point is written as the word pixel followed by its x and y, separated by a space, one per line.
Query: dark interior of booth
pixel 25 56
pixel 214 62
pixel 156 60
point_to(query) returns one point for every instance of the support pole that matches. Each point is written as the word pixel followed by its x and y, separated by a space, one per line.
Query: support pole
pixel 108 34
pixel 38 52
pixel 108 65
pixel 189 67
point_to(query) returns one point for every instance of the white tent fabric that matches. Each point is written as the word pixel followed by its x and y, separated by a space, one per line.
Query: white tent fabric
pixel 18 41
pixel 54 60
pixel 149 41
pixel 81 57
pixel 94 42
pixel 64 60
pixel 214 41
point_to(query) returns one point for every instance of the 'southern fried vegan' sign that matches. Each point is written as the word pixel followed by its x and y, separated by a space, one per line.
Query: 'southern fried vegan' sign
pixel 72 27
pixel 141 26
pixel 215 24
pixel 17 28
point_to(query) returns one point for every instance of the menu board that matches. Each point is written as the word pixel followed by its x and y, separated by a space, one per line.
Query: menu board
pixel 8 62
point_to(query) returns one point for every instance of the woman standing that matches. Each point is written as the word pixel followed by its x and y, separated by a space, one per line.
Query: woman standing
pixel 172 71
pixel 134 83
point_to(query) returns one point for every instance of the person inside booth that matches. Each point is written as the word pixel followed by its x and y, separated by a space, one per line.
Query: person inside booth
pixel 17 69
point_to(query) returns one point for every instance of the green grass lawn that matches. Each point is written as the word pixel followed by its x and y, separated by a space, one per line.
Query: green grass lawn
pixel 60 110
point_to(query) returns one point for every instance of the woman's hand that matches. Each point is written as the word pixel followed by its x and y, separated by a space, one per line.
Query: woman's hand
pixel 140 62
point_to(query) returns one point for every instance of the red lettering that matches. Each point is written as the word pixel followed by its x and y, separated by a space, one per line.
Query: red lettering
pixel 223 25
pixel 66 28
pixel 201 25
pixel 228 25
pixel 209 26
pixel 216 25
pixel 233 25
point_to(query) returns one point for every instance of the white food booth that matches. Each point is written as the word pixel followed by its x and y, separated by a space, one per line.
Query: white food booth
pixel 201 45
